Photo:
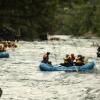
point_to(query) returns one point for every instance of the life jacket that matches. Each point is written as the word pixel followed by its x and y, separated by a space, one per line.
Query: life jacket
pixel 2 48
pixel 85 61
pixel 78 60
pixel 66 60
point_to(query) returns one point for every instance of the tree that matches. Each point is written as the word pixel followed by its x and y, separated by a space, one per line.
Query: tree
pixel 34 16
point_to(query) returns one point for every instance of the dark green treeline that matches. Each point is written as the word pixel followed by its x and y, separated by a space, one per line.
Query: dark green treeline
pixel 34 19
pixel 79 17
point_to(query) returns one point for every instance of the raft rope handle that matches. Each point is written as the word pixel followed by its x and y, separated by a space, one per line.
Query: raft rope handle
pixel 76 69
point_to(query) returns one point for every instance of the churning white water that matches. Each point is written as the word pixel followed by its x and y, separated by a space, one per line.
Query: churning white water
pixel 21 78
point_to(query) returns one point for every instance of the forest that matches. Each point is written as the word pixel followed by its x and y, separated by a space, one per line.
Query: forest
pixel 35 19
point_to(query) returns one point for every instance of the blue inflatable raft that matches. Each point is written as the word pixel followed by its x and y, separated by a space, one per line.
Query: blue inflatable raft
pixel 46 67
pixel 4 55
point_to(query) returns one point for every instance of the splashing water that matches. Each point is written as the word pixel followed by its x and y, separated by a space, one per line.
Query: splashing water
pixel 21 79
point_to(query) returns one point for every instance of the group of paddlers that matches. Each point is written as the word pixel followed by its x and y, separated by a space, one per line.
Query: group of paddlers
pixel 6 44
pixel 69 60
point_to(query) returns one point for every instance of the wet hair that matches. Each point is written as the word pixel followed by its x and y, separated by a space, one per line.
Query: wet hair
pixel 48 52
pixel 80 56
pixel 67 55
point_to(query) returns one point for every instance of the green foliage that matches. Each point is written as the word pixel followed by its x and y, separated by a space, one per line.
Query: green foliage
pixel 32 17
pixel 79 17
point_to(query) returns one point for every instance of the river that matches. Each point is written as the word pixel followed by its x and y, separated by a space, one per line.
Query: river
pixel 21 78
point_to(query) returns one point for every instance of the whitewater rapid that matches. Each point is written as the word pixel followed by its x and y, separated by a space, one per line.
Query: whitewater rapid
pixel 21 78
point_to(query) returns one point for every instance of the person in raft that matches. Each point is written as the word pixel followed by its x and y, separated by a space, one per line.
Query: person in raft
pixel 2 48
pixel 79 60
pixel 46 58
pixel 98 51
pixel 72 57
pixel 67 61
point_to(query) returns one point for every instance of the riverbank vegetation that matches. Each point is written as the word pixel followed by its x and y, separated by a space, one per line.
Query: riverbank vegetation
pixel 34 19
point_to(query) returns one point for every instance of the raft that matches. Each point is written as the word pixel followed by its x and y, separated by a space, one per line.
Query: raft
pixel 46 67
pixel 4 54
